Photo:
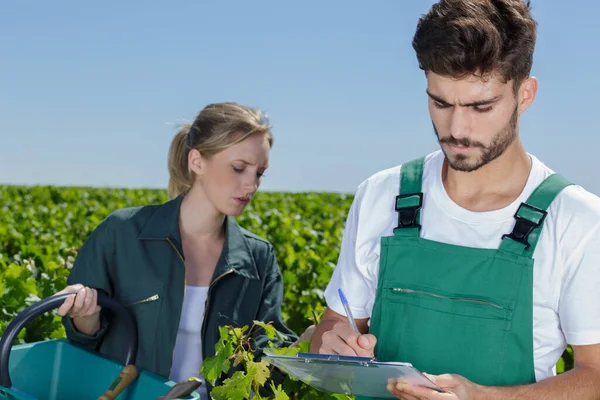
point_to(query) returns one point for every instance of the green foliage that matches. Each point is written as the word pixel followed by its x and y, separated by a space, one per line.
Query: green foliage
pixel 566 362
pixel 41 229
pixel 306 230
pixel 232 351
pixel 253 376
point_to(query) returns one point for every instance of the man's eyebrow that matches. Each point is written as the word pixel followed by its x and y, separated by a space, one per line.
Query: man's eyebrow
pixel 477 103
pixel 437 98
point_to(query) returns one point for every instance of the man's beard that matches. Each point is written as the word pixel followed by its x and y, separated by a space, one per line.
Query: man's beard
pixel 497 147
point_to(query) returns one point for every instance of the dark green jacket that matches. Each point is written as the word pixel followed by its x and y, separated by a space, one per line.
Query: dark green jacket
pixel 135 256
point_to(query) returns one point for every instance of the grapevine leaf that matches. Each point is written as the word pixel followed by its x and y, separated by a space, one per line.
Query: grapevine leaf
pixel 278 393
pixel 213 367
pixel 259 372
pixel 235 388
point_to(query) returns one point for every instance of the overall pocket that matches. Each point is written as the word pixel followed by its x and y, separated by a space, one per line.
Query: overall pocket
pixel 441 332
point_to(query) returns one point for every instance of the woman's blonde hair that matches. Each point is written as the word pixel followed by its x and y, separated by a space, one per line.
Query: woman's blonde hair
pixel 217 127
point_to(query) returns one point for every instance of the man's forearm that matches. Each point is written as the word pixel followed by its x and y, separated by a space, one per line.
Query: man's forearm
pixel 581 383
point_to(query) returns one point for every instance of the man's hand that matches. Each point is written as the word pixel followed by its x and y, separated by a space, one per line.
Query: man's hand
pixel 581 383
pixel 455 386
pixel 343 340
pixel 334 335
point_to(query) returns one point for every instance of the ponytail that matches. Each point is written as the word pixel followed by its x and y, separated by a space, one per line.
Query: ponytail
pixel 179 175
pixel 217 127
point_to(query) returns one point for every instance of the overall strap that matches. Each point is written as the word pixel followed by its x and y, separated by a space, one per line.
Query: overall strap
pixel 409 201
pixel 530 216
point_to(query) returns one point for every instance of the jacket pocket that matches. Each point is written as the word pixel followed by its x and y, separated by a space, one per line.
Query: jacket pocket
pixel 146 309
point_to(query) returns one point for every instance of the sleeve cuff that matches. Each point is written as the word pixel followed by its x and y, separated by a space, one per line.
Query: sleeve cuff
pixel 334 303
pixel 583 338
pixel 74 335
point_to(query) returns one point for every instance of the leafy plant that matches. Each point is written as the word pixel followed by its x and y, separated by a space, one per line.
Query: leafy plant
pixel 234 350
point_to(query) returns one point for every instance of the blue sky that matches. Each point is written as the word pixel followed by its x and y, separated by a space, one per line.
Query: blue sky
pixel 90 92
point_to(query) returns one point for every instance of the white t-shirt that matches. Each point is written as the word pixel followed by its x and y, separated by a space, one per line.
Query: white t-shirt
pixel 566 293
pixel 187 356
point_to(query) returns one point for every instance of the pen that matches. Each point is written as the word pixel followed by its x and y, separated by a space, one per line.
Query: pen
pixel 348 312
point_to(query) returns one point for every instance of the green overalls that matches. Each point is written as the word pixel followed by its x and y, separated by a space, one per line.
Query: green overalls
pixel 455 309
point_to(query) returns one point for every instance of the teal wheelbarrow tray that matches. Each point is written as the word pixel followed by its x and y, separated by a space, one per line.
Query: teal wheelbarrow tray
pixel 62 370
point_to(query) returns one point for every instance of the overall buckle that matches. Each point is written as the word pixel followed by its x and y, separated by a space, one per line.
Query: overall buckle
pixel 407 214
pixel 523 227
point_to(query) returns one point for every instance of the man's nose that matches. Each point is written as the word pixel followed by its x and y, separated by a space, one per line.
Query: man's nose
pixel 460 123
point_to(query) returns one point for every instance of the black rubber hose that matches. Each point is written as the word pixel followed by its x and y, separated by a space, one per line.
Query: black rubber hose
pixel 50 303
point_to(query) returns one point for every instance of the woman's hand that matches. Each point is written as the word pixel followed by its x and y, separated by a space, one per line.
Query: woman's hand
pixel 83 308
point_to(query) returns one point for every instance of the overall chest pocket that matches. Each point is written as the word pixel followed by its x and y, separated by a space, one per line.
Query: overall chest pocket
pixel 459 304
pixel 441 332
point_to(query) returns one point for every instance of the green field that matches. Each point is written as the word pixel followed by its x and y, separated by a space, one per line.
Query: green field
pixel 41 229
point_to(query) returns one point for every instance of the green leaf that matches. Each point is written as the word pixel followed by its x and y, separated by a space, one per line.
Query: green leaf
pixel 238 358
pixel 259 372
pixel 13 271
pixel 285 351
pixel 304 346
pixel 238 333
pixel 269 329
pixel 235 388
pixel 278 393
pixel 213 367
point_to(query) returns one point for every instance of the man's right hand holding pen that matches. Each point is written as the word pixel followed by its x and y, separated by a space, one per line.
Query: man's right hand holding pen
pixel 336 334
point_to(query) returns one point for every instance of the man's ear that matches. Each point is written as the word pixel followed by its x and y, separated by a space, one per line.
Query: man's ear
pixel 526 94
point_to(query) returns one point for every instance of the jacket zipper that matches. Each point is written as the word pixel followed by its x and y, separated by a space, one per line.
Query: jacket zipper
pixel 208 299
pixel 207 296
pixel 182 299
pixel 405 290
pixel 151 298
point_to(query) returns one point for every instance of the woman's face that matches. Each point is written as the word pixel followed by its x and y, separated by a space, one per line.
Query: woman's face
pixel 231 177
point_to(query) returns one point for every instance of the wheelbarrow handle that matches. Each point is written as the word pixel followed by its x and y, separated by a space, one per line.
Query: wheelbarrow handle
pixel 51 303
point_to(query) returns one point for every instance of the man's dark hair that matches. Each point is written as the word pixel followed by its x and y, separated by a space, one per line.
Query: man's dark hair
pixel 458 38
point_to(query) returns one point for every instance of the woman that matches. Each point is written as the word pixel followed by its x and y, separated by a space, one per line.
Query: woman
pixel 184 267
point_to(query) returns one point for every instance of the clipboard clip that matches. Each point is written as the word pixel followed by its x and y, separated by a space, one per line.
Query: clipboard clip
pixel 309 357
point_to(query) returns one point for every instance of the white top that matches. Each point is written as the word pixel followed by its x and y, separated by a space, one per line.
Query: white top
pixel 187 356
pixel 566 293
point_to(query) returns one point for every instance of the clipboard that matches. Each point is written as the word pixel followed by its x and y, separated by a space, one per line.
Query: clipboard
pixel 358 376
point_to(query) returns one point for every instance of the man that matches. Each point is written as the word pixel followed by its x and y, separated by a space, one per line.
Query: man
pixel 476 263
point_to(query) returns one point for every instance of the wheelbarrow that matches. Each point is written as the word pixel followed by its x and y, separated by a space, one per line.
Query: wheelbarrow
pixel 62 370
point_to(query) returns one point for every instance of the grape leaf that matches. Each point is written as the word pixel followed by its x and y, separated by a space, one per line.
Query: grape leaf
pixel 259 372
pixel 213 367
pixel 269 329
pixel 278 393
pixel 235 388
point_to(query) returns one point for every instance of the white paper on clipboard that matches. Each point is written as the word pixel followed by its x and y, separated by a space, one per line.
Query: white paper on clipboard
pixel 359 376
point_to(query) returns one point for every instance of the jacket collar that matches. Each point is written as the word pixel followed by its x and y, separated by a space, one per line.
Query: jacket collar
pixel 236 256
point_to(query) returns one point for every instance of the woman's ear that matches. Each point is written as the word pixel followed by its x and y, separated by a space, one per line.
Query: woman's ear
pixel 196 162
